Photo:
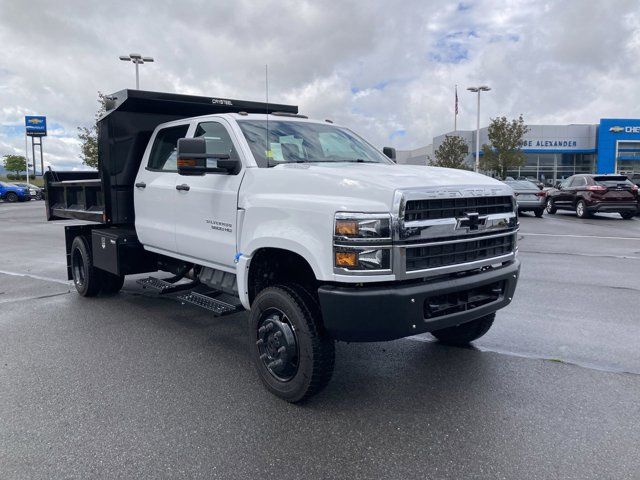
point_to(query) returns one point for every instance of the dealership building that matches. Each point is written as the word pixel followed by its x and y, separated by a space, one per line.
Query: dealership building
pixel 555 152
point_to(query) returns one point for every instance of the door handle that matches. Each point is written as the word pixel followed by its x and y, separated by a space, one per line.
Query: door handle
pixel 141 185
pixel 184 187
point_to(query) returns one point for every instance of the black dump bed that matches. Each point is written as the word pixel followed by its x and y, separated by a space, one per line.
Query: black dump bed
pixel 106 196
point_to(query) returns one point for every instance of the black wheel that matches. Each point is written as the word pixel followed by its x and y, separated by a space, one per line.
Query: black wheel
pixel 293 355
pixel 627 215
pixel 466 332
pixel 86 277
pixel 581 209
pixel 11 197
pixel 539 212
pixel 38 196
pixel 111 283
pixel 550 208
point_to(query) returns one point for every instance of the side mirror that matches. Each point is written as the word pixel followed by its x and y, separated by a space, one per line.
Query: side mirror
pixel 193 158
pixel 390 152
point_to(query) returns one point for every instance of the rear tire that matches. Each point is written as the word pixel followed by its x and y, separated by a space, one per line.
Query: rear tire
pixel 539 212
pixel 550 208
pixel 292 353
pixel 86 278
pixel 627 215
pixel 11 197
pixel 581 209
pixel 465 333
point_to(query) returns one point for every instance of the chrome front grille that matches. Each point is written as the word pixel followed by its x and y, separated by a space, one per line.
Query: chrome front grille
pixel 452 252
pixel 453 230
pixel 437 208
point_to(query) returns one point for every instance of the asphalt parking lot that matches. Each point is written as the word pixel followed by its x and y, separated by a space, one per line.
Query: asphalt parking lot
pixel 132 386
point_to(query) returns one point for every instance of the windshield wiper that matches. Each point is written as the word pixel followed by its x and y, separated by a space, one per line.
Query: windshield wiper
pixel 358 160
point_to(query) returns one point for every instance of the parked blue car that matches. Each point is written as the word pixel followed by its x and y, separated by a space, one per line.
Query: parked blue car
pixel 13 193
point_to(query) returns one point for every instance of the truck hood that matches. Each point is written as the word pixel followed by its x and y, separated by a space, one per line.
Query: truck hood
pixel 366 186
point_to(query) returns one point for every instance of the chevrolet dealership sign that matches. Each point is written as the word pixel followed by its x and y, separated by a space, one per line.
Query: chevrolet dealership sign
pixel 628 129
pixel 36 126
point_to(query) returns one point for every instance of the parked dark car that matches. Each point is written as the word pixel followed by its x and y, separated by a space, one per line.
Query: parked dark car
pixel 528 196
pixel 13 193
pixel 589 194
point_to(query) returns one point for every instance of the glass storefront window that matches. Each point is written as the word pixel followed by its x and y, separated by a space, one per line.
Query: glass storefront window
pixel 550 168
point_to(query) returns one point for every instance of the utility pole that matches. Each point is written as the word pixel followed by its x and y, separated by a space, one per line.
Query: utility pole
pixel 137 59
pixel 482 88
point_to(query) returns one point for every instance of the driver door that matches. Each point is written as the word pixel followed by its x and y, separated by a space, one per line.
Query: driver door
pixel 563 196
pixel 207 205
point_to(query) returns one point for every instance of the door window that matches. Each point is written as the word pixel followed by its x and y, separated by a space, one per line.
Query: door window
pixel 164 153
pixel 217 139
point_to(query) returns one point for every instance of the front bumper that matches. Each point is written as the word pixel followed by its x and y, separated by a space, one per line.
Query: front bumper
pixel 367 314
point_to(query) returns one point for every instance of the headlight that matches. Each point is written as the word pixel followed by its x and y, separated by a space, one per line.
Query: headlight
pixel 362 242
pixel 362 226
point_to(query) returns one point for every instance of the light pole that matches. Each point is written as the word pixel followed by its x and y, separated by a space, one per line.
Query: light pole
pixel 482 88
pixel 137 59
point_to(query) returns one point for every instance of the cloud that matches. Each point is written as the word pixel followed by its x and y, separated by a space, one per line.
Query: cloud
pixel 379 67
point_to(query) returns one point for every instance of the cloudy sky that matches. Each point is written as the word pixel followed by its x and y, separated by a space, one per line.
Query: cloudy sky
pixel 385 68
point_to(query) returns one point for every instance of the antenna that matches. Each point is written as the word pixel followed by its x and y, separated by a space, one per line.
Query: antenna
pixel 267 153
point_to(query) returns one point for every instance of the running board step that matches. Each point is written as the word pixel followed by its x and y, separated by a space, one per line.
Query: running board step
pixel 163 287
pixel 216 302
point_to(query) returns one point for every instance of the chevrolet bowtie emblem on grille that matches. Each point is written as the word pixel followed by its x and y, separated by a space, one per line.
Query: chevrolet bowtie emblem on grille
pixel 472 221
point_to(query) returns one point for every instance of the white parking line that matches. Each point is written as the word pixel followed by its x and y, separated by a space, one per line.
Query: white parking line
pixel 576 236
pixel 36 277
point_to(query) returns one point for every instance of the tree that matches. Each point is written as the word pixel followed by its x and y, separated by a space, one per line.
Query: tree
pixel 15 163
pixel 505 140
pixel 89 137
pixel 451 153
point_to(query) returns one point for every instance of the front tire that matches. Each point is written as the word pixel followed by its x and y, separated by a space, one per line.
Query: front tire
pixel 581 209
pixel 465 333
pixel 550 208
pixel 627 215
pixel 86 278
pixel 292 353
pixel 539 212
pixel 11 197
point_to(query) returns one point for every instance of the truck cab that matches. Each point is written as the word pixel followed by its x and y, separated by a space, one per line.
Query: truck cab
pixel 303 223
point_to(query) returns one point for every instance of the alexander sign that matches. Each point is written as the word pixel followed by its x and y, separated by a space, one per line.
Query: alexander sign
pixel 549 144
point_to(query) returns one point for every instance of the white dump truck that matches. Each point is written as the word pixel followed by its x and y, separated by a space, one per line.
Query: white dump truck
pixel 317 234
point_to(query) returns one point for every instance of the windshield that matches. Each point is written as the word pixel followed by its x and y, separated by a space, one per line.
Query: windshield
pixel 301 142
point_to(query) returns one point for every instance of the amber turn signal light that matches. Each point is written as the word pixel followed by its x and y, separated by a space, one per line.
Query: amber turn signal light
pixel 346 259
pixel 347 228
